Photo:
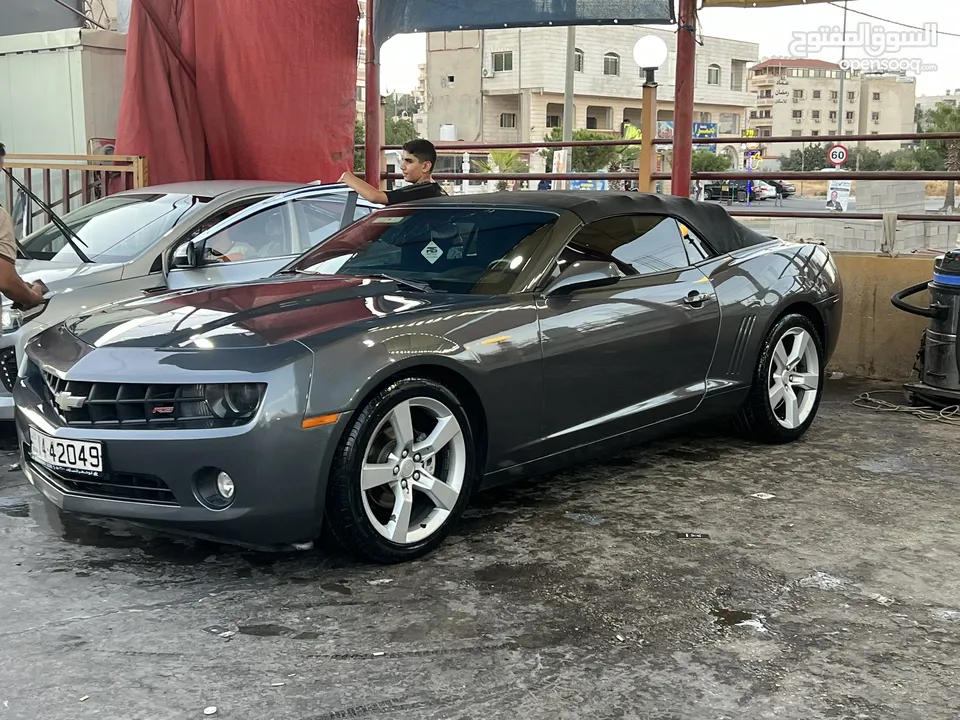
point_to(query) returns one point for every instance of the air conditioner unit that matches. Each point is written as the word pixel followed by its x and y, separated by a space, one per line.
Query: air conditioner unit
pixel 796 99
pixel 487 72
pixel 798 120
pixel 816 119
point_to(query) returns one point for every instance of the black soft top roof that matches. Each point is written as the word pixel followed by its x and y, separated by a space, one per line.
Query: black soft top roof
pixel 708 220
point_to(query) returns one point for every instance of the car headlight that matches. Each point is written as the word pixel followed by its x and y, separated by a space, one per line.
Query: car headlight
pixel 234 401
pixel 12 319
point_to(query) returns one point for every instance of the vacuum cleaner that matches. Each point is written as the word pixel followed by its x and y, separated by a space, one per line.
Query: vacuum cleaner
pixel 938 359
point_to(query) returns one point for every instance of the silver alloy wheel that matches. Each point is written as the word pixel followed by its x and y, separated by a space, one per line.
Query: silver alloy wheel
pixel 794 378
pixel 413 470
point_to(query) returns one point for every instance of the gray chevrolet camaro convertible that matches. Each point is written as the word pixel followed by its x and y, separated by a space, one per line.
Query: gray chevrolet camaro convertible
pixel 430 350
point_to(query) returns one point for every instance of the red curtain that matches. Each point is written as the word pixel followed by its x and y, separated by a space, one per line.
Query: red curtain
pixel 240 89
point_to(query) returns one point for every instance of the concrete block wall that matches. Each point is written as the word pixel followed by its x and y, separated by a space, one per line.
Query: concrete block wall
pixel 876 196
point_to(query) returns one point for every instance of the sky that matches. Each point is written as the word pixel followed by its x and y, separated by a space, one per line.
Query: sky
pixel 774 28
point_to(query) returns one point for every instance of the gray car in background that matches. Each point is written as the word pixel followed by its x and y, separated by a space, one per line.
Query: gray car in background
pixel 243 230
pixel 428 350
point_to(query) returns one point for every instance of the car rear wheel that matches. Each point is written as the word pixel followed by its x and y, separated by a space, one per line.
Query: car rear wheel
pixel 403 474
pixel 787 383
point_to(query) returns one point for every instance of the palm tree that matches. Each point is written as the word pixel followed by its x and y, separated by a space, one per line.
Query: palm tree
pixel 946 119
pixel 503 162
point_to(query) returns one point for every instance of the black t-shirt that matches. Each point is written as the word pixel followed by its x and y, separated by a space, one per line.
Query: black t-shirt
pixel 419 191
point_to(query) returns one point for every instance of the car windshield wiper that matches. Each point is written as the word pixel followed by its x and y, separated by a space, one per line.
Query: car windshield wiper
pixel 69 235
pixel 422 287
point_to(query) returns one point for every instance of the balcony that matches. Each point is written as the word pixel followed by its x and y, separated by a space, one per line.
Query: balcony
pixel 763 100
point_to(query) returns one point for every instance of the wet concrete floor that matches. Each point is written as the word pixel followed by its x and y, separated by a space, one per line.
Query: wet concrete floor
pixel 654 585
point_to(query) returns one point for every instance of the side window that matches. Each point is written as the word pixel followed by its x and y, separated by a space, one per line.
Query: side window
pixel 637 244
pixel 696 248
pixel 219 217
pixel 319 218
pixel 264 235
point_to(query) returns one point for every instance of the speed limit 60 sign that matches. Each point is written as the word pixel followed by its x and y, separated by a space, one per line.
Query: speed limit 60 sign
pixel 837 155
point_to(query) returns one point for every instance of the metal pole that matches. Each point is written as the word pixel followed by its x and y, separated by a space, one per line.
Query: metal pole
pixel 843 73
pixel 372 118
pixel 568 110
pixel 683 99
pixel 648 130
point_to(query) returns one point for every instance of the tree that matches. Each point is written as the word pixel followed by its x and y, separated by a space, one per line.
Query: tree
pixel 812 157
pixel 399 103
pixel 868 159
pixel 503 162
pixel 399 131
pixel 946 119
pixel 585 159
pixel 358 156
pixel 703 161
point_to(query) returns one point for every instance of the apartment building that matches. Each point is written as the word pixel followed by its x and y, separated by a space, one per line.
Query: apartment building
pixel 508 85
pixel 362 61
pixel 925 103
pixel 801 97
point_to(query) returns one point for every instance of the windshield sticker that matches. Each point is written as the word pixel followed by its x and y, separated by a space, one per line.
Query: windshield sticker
pixel 389 219
pixel 432 252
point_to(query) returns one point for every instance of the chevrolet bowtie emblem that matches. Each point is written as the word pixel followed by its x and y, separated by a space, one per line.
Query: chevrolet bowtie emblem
pixel 66 401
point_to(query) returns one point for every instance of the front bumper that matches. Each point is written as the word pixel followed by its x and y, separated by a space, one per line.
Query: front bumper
pixel 279 470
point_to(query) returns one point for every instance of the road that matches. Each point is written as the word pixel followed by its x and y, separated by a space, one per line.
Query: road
pixel 580 595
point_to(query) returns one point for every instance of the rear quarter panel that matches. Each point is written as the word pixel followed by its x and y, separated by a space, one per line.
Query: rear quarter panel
pixel 755 287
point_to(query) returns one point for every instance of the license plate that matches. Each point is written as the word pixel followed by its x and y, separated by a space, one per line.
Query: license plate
pixel 58 453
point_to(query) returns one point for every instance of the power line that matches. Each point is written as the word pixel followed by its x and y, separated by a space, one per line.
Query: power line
pixel 892 22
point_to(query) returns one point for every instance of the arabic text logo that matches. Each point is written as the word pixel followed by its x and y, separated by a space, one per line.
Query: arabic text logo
pixel 874 39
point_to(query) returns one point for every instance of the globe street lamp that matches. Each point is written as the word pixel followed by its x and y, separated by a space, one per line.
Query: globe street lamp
pixel 649 53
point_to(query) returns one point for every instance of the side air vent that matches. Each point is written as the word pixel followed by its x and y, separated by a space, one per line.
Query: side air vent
pixel 741 343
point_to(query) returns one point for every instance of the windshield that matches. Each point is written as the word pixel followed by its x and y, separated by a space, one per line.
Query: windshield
pixel 114 229
pixel 477 250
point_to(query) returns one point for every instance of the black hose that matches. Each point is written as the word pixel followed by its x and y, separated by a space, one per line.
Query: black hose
pixel 934 311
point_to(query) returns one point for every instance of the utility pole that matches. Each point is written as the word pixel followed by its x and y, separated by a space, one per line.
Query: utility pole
pixel 843 73
pixel 568 111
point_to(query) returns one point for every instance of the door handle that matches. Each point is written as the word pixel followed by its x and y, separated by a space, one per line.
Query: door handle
pixel 694 299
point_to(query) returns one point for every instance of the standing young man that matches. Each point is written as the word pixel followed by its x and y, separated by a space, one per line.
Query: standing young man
pixel 11 284
pixel 419 158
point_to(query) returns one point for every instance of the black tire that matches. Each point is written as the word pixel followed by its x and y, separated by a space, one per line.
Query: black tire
pixel 344 512
pixel 756 419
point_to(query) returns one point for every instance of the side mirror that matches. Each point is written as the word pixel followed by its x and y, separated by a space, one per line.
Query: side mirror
pixel 192 258
pixel 584 274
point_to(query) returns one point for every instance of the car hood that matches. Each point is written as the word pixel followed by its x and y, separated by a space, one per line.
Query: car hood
pixel 60 277
pixel 269 312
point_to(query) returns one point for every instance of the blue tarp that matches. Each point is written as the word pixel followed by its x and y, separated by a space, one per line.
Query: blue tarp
pixel 393 17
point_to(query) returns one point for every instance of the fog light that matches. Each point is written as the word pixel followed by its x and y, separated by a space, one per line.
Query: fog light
pixel 214 488
pixel 225 485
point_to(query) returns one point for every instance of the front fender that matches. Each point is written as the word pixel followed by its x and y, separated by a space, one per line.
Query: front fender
pixel 363 363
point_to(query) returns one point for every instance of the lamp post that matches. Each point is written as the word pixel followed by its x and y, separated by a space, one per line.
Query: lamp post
pixel 650 53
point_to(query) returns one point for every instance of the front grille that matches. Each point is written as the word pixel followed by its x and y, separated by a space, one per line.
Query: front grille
pixel 109 486
pixel 128 405
pixel 8 368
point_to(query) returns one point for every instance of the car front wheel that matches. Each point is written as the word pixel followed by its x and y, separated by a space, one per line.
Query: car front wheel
pixel 787 383
pixel 403 474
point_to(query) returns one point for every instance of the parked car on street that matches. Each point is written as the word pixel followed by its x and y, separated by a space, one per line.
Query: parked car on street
pixel 424 352
pixel 767 191
pixel 787 188
pixel 730 190
pixel 132 238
